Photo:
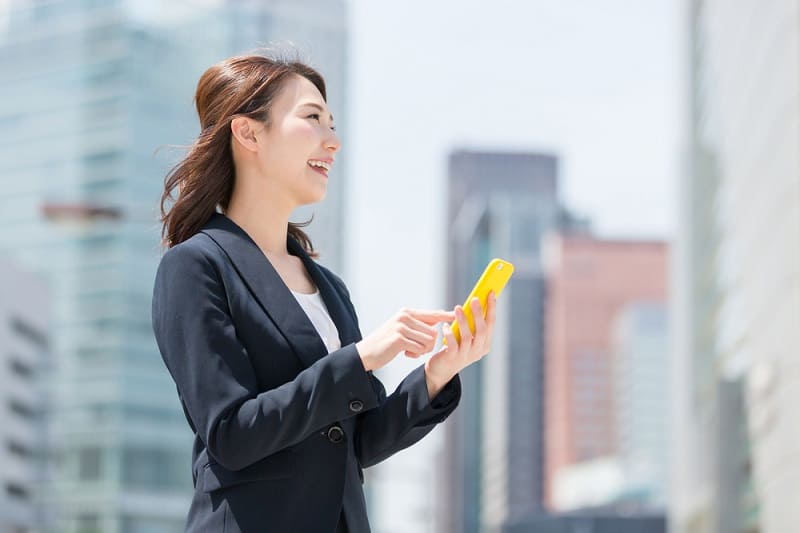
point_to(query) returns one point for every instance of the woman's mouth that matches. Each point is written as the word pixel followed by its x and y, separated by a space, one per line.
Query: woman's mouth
pixel 321 167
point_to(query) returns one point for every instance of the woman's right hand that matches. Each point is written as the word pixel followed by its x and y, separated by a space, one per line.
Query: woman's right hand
pixel 409 330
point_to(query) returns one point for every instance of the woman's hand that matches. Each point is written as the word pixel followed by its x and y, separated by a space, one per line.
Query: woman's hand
pixel 409 330
pixel 453 357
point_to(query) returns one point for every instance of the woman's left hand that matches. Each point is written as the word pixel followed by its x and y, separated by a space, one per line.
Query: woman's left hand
pixel 455 356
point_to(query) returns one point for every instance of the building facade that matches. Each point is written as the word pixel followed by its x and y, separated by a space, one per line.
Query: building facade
pixel 738 272
pixel 24 398
pixel 641 375
pixel 589 282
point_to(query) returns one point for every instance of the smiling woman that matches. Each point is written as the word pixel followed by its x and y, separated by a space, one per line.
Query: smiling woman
pixel 262 341
pixel 242 89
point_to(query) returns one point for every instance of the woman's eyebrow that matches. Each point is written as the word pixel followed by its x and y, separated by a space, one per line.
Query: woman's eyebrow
pixel 312 104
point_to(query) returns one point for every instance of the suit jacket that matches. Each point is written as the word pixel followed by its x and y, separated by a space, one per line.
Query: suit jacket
pixel 282 428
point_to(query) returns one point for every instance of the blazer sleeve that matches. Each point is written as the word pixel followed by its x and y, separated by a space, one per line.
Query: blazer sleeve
pixel 402 418
pixel 197 339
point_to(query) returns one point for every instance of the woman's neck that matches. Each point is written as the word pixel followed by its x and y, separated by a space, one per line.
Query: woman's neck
pixel 262 217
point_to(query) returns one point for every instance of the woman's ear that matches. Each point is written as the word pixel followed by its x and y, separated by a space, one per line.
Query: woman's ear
pixel 244 133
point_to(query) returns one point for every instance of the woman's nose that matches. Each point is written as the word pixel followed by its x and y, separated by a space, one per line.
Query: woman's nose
pixel 333 142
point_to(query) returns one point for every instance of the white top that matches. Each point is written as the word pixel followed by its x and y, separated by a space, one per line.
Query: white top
pixel 314 306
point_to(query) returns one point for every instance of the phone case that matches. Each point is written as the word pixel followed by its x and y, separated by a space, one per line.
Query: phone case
pixel 494 278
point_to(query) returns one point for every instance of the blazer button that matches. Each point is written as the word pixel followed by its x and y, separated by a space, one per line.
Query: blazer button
pixel 356 406
pixel 335 434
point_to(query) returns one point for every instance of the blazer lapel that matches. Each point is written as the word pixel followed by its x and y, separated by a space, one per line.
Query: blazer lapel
pixel 274 296
pixel 340 315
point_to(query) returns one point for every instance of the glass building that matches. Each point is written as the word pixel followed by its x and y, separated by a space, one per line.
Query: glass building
pixel 94 96
pixel 642 387
pixel 737 378
pixel 24 358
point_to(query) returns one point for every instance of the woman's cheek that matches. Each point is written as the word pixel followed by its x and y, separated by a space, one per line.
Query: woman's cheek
pixel 303 129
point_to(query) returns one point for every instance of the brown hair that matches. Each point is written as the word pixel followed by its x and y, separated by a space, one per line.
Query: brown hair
pixel 243 85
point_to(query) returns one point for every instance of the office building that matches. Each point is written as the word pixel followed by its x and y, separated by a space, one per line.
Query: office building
pixel 589 282
pixel 737 270
pixel 641 381
pixel 24 396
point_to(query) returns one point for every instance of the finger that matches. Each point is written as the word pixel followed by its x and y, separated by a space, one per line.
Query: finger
pixel 477 313
pixel 429 331
pixel 491 308
pixel 432 317
pixel 424 338
pixel 463 326
pixel 413 347
pixel 447 333
pixel 421 326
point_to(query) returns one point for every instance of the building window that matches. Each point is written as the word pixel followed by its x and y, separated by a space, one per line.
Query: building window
pixel 21 409
pixel 18 450
pixel 154 468
pixel 17 491
pixel 104 159
pixel 28 332
pixel 21 369
pixel 140 524
pixel 89 464
pixel 87 523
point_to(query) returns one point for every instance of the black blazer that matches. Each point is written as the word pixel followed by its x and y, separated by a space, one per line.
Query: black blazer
pixel 282 428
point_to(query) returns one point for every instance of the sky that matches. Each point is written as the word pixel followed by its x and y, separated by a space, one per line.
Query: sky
pixel 599 84
pixel 596 83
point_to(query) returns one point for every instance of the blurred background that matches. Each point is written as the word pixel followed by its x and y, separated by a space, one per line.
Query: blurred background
pixel 638 161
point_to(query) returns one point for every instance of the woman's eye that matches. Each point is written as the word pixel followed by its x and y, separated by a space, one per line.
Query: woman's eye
pixel 316 117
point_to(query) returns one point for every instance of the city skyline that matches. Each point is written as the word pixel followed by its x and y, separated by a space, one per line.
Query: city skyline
pixel 599 88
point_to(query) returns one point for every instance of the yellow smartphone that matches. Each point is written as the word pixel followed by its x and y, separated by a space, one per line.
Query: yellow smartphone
pixel 494 278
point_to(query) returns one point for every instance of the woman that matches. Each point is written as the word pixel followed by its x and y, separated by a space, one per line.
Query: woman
pixel 262 341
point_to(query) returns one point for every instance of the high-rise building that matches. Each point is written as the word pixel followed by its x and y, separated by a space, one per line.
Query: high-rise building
pixel 500 204
pixel 90 91
pixel 24 356
pixel 590 281
pixel 641 380
pixel 737 270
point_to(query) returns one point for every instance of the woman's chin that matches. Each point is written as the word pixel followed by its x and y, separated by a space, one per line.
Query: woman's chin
pixel 314 198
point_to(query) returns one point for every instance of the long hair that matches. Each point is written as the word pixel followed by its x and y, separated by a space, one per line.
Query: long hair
pixel 243 85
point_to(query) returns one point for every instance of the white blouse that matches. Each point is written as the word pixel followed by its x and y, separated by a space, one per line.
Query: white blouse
pixel 317 312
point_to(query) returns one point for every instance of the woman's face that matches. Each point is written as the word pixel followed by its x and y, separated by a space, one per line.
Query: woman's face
pixel 299 143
